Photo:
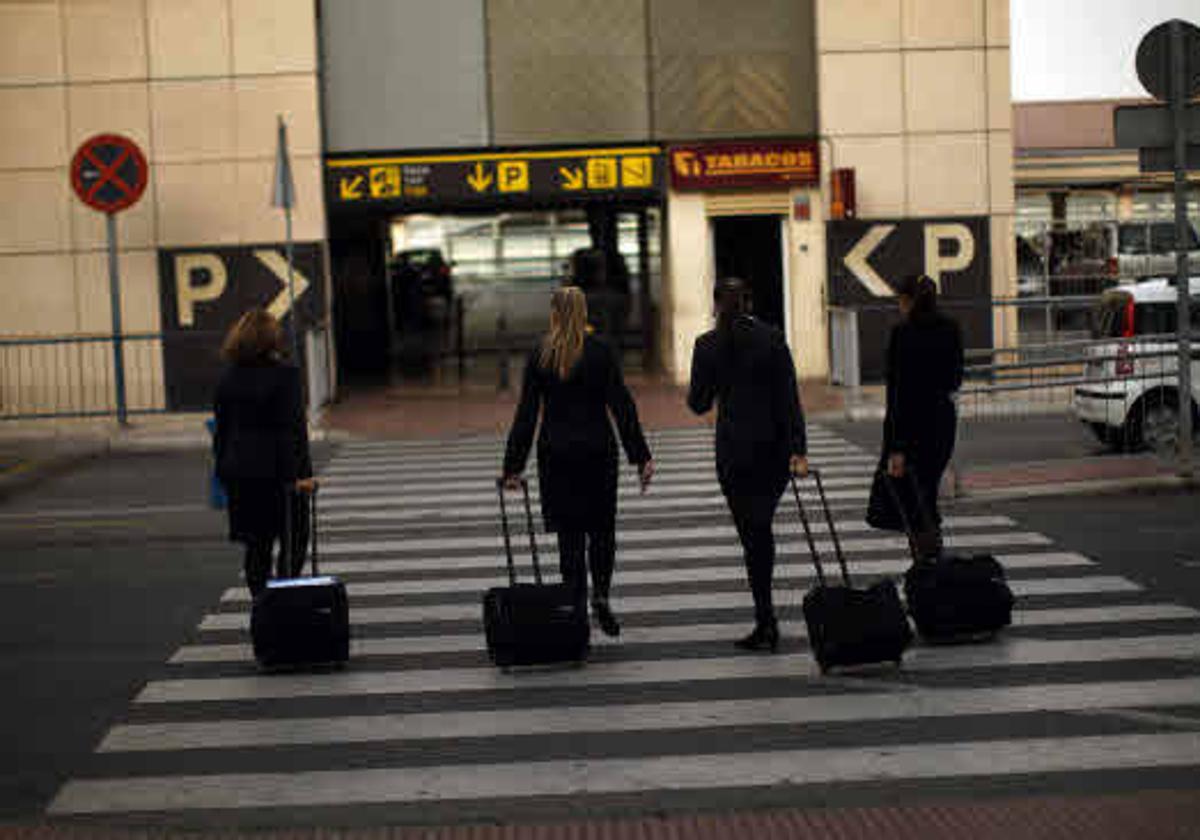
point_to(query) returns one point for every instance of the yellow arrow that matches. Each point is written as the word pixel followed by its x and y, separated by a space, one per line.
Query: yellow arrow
pixel 572 178
pixel 351 188
pixel 273 260
pixel 480 179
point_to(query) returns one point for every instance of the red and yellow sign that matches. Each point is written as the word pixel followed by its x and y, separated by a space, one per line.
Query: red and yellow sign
pixel 709 166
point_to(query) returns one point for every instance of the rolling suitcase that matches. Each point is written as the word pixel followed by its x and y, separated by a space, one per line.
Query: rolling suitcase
pixel 301 620
pixel 848 626
pixel 532 623
pixel 952 597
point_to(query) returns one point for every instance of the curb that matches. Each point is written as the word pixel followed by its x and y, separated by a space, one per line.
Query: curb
pixel 1093 487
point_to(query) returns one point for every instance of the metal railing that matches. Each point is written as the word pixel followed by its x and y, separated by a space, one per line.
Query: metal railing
pixel 75 376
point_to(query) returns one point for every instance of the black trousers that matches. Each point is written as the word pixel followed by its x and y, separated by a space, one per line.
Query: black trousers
pixel 753 510
pixel 596 550
pixel 261 554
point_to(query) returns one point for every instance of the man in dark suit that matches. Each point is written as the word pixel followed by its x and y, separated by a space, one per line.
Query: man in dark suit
pixel 746 367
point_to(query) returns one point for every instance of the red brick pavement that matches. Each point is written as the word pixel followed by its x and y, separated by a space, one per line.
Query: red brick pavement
pixel 1150 815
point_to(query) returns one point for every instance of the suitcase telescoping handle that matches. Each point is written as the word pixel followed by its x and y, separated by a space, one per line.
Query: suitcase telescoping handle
pixel 508 552
pixel 289 538
pixel 914 547
pixel 808 535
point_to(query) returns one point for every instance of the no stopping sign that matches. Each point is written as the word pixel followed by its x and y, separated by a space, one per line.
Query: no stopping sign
pixel 109 173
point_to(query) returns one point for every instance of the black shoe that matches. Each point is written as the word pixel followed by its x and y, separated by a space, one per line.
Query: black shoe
pixel 763 637
pixel 605 618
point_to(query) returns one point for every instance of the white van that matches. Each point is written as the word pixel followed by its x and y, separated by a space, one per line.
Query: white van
pixel 1131 400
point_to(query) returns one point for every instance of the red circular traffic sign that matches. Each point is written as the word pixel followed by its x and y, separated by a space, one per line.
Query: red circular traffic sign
pixel 109 173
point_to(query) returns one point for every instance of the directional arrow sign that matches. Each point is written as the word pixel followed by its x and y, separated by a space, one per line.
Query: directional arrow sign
pixel 857 260
pixel 351 189
pixel 572 179
pixel 479 178
pixel 273 260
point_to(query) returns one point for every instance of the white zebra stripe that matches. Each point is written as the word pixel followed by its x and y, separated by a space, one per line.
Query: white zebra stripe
pixel 1123 614
pixel 663 603
pixel 651 717
pixel 642 577
pixel 1000 654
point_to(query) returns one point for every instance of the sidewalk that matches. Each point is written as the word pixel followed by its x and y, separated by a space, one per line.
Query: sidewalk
pixel 1161 815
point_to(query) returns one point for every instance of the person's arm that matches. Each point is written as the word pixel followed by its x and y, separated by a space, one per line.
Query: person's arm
pixel 220 427
pixel 703 388
pixel 787 400
pixel 297 458
pixel 624 411
pixel 889 417
pixel 956 355
pixel 520 437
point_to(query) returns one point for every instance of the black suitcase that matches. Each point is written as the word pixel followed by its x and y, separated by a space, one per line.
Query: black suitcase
pixel 532 623
pixel 952 597
pixel 848 626
pixel 301 620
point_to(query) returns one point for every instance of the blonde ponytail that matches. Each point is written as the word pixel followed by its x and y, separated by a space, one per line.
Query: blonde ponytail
pixel 563 344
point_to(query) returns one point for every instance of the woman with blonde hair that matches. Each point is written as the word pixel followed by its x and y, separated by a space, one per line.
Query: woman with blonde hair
pixel 573 380
pixel 261 446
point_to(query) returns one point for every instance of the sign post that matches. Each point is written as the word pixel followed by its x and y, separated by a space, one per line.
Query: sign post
pixel 284 195
pixel 109 174
pixel 1168 65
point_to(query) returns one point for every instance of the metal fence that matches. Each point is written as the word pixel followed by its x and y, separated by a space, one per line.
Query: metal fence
pixel 76 376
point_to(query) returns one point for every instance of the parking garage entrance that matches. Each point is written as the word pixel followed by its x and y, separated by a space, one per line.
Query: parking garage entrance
pixel 443 264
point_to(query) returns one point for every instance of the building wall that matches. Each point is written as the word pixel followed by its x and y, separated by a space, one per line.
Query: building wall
pixel 197 85
pixel 404 75
pixel 915 96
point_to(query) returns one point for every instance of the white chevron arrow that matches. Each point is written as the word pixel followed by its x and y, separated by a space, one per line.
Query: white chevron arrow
pixel 278 265
pixel 856 260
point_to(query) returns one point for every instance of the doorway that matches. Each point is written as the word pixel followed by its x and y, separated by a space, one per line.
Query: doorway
pixel 751 247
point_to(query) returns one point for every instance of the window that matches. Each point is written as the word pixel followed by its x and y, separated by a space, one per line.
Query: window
pixel 1154 319
pixel 1132 239
pixel 1162 238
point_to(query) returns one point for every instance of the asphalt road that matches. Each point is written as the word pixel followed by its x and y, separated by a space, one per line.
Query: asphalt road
pixel 109 569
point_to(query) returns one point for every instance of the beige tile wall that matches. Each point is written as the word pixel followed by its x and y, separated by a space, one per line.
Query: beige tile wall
pixel 197 85
pixel 915 95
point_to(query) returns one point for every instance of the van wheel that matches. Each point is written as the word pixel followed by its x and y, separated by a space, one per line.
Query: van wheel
pixel 1153 425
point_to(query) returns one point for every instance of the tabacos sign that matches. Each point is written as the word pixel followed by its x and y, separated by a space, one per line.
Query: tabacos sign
pixel 708 166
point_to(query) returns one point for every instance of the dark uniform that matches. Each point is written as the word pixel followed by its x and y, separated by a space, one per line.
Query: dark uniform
pixel 577 455
pixel 747 368
pixel 924 369
pixel 261 449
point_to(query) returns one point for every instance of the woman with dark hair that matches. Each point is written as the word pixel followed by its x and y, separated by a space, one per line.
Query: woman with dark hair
pixel 573 381
pixel 261 447
pixel 745 366
pixel 924 369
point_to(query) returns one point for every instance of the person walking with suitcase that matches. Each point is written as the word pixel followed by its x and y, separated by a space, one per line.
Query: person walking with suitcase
pixel 924 369
pixel 260 445
pixel 746 367
pixel 573 380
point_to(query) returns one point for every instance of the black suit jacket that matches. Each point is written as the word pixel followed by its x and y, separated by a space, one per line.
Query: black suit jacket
pixel 261 432
pixel 748 371
pixel 577 454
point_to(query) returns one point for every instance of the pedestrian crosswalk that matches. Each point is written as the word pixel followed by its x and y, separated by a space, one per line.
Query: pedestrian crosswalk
pixel 1096 675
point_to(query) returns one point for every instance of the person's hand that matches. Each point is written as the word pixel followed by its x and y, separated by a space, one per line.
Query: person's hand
pixel 895 466
pixel 306 485
pixel 799 466
pixel 646 473
pixel 512 482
